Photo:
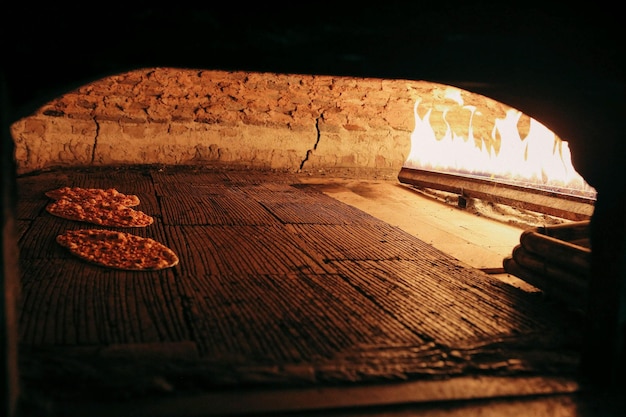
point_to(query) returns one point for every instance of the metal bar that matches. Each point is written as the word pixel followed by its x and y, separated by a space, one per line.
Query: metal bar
pixel 548 202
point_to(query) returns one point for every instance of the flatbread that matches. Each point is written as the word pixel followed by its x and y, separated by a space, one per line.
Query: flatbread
pixel 93 194
pixel 98 212
pixel 118 250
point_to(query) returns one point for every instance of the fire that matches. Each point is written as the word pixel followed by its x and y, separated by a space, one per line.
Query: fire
pixel 535 158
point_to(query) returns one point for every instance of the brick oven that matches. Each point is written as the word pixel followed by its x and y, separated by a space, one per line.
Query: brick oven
pixel 199 117
pixel 328 90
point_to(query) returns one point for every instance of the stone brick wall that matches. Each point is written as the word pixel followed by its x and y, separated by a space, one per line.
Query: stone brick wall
pixel 259 120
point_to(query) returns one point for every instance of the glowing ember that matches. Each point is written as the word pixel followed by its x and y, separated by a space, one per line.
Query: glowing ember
pixel 539 159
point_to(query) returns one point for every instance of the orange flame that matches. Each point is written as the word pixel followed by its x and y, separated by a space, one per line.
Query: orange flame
pixel 540 159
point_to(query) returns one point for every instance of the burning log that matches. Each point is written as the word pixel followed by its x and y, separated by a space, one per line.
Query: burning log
pixel 548 258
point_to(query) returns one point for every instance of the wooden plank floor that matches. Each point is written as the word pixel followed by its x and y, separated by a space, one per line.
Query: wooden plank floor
pixel 279 285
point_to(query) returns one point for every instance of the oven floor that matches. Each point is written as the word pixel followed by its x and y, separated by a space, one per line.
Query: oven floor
pixel 293 295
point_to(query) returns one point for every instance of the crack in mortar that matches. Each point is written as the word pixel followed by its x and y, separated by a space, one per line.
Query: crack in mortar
pixel 95 142
pixel 317 141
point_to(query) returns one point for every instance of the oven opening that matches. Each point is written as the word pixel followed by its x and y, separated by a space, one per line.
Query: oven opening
pixel 452 145
pixel 238 168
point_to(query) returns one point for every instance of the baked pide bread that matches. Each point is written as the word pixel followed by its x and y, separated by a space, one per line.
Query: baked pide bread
pixel 102 213
pixel 95 194
pixel 118 250
pixel 103 207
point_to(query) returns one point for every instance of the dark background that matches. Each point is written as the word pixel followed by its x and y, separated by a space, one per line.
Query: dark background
pixel 526 45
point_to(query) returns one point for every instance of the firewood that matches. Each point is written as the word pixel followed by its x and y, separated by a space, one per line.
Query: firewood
pixel 585 242
pixel 567 255
pixel 564 294
pixel 568 232
pixel 576 281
